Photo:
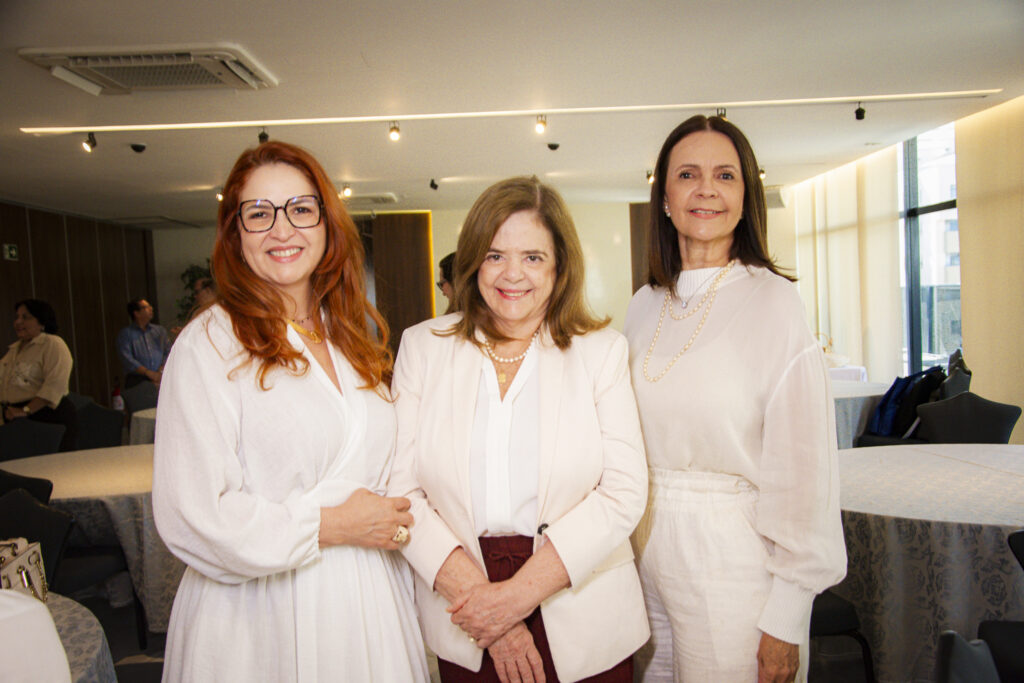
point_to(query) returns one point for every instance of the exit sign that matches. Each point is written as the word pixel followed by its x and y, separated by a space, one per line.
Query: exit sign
pixel 10 252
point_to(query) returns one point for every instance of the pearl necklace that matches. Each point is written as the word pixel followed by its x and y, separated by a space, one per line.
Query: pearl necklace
pixel 686 314
pixel 709 298
pixel 515 359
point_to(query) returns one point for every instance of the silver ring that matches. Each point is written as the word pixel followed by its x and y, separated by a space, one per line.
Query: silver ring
pixel 401 536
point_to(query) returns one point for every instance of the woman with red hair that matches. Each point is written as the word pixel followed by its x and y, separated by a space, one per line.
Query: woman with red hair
pixel 274 443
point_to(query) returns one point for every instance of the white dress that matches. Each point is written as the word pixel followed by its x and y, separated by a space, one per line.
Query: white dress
pixel 239 478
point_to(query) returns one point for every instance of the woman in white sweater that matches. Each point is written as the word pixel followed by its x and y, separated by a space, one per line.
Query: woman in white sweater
pixel 275 432
pixel 742 528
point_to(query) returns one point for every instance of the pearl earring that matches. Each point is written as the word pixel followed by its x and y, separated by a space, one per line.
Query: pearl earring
pixel 668 214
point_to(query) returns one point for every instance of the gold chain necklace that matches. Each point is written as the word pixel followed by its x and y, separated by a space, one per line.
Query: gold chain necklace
pixel 312 335
pixel 515 360
pixel 709 298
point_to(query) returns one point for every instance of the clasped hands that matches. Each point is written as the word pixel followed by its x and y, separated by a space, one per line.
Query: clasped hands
pixel 488 611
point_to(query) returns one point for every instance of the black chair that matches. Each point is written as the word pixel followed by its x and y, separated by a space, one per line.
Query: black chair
pixel 41 489
pixel 959 661
pixel 23 437
pixel 22 516
pixel 1005 639
pixel 78 401
pixel 967 418
pixel 84 567
pixel 99 427
pixel 832 615
pixel 140 397
pixel 958 382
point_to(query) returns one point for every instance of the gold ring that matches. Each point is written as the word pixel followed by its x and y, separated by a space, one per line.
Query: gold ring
pixel 401 536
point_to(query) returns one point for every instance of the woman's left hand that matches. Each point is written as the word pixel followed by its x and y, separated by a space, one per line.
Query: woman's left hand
pixel 777 660
pixel 487 611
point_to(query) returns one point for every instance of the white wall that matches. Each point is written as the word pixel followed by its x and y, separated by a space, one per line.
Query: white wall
pixel 990 210
pixel 174 251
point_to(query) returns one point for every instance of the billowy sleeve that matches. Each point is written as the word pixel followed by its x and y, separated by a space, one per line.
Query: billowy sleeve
pixel 798 508
pixel 57 364
pixel 431 541
pixel 202 507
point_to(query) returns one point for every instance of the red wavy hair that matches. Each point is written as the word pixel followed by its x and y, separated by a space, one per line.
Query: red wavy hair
pixel 256 307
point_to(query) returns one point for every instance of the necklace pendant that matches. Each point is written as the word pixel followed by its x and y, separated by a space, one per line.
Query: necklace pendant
pixel 502 378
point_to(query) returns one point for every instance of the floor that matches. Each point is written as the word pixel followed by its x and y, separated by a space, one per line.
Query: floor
pixel 833 660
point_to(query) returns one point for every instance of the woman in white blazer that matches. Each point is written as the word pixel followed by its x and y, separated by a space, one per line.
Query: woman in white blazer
pixel 520 449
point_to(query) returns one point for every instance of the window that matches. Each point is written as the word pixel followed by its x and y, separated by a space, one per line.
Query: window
pixel 930 243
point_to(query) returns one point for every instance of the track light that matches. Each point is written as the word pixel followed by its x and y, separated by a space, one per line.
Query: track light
pixel 433 184
pixel 761 174
pixel 859 112
pixel 720 112
pixel 89 144
pixel 393 132
pixel 346 191
pixel 263 136
pixel 650 177
pixel 541 125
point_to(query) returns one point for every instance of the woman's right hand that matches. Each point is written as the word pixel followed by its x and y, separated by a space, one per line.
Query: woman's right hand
pixel 516 659
pixel 366 520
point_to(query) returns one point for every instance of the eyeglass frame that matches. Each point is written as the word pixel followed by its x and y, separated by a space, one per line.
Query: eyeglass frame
pixel 319 204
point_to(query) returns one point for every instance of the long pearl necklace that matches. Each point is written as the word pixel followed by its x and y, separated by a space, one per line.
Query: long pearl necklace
pixel 686 314
pixel 502 375
pixel 708 298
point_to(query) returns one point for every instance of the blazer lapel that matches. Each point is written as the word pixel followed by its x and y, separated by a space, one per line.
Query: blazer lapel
pixel 467 362
pixel 551 370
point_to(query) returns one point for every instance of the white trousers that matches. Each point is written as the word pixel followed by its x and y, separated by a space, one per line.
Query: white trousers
pixel 702 566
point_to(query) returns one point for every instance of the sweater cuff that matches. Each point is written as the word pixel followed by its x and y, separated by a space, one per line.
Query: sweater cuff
pixel 787 612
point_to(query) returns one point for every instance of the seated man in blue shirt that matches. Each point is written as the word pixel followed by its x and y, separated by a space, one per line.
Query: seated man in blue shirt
pixel 142 346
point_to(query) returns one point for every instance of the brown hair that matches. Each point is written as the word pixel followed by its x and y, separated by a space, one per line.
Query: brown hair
pixel 567 312
pixel 256 307
pixel 749 242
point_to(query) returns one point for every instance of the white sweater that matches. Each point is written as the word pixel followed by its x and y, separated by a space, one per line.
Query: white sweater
pixel 750 397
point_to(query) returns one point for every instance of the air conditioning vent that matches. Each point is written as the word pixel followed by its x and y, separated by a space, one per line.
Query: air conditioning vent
pixel 378 199
pixel 118 71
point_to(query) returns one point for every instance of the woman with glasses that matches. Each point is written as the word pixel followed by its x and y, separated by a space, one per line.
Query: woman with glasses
pixel 520 448
pixel 274 441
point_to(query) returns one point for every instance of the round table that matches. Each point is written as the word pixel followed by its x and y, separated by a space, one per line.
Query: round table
pixel 83 640
pixel 926 528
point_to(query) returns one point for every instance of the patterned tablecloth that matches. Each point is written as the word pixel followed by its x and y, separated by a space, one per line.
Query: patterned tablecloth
pixel 854 403
pixel 83 640
pixel 142 428
pixel 108 490
pixel 926 529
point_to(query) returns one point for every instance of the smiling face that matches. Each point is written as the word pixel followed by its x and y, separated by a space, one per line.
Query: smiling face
pixel 517 275
pixel 26 326
pixel 704 195
pixel 283 256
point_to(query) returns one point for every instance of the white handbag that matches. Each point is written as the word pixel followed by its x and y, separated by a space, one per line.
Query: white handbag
pixel 21 568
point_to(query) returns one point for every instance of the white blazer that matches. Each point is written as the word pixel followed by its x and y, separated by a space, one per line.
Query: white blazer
pixel 592 488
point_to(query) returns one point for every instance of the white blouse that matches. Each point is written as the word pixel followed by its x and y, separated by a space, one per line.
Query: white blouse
pixel 504 452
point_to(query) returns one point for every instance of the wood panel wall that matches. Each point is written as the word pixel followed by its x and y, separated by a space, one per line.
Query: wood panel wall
pixel 639 220
pixel 88 271
pixel 400 256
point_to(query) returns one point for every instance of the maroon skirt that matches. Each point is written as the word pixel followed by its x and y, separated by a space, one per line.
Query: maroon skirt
pixel 503 556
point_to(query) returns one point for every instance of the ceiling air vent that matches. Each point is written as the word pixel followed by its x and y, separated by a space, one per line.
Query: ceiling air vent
pixel 119 71
pixel 371 200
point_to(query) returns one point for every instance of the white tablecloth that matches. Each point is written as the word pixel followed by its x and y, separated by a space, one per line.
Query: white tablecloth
pixel 854 403
pixel 108 490
pixel 849 373
pixel 143 426
pixel 926 528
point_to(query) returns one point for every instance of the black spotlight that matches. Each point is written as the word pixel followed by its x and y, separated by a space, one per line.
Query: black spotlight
pixel 859 112
pixel 433 184
pixel 263 136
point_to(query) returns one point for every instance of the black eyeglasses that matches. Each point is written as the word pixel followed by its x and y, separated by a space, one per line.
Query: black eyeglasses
pixel 259 215
pixel 440 284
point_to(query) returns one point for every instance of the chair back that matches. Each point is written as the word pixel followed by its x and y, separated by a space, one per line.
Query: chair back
pixel 140 397
pixel 958 382
pixel 41 489
pixel 23 437
pixel 1016 542
pixel 78 401
pixel 99 427
pixel 22 516
pixel 959 661
pixel 967 418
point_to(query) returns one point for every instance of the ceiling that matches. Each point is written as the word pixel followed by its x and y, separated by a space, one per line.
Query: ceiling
pixel 394 59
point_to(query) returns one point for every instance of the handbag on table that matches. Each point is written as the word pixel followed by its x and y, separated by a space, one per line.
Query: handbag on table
pixel 21 568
